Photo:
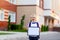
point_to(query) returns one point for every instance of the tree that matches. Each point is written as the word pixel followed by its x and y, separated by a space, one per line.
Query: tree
pixel 9 22
pixel 22 22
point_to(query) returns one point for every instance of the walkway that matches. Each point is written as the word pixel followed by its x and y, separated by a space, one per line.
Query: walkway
pixel 23 36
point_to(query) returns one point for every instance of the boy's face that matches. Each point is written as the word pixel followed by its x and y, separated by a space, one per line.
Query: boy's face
pixel 33 19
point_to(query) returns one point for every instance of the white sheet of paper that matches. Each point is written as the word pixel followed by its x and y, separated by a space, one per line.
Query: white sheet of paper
pixel 33 31
pixel 33 25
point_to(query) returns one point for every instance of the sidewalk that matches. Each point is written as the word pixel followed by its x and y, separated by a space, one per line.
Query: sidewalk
pixel 23 36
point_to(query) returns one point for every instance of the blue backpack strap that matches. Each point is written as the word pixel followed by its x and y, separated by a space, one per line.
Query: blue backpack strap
pixel 37 24
pixel 30 24
pixel 34 22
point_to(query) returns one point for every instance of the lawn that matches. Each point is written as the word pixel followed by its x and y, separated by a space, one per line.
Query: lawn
pixel 5 33
pixel 19 30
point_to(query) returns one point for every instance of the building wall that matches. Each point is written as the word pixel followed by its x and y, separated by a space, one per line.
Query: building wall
pixel 39 15
pixel 5 8
pixel 3 25
pixel 28 11
pixel 56 9
pixel 7 5
pixel 28 7
pixel 56 6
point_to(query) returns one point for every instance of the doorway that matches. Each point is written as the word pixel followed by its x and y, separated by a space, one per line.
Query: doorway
pixel 49 21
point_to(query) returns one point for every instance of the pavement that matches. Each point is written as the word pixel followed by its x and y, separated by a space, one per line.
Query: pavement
pixel 23 36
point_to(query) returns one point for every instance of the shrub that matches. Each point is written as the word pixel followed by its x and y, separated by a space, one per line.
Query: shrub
pixel 9 22
pixel 44 28
pixel 14 27
pixel 22 22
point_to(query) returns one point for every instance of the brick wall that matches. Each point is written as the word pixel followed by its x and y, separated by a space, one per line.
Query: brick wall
pixel 7 5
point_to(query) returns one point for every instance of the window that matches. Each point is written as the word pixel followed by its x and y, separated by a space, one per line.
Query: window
pixel 47 4
pixel 13 1
pixel 1 15
pixel 12 15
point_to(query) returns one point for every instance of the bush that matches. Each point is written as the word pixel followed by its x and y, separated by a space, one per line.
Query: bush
pixel 9 25
pixel 23 30
pixel 22 22
pixel 14 27
pixel 44 28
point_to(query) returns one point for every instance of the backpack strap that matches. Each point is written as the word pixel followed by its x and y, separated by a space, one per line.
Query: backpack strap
pixel 30 24
pixel 35 22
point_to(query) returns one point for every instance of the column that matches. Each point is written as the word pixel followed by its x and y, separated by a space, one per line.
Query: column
pixel 51 24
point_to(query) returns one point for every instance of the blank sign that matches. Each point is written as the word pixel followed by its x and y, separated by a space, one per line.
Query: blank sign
pixel 33 31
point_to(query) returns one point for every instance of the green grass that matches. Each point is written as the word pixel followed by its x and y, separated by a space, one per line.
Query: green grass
pixel 18 30
pixel 4 33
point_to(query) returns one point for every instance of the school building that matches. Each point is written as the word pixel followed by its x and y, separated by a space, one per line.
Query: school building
pixel 46 12
pixel 6 9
